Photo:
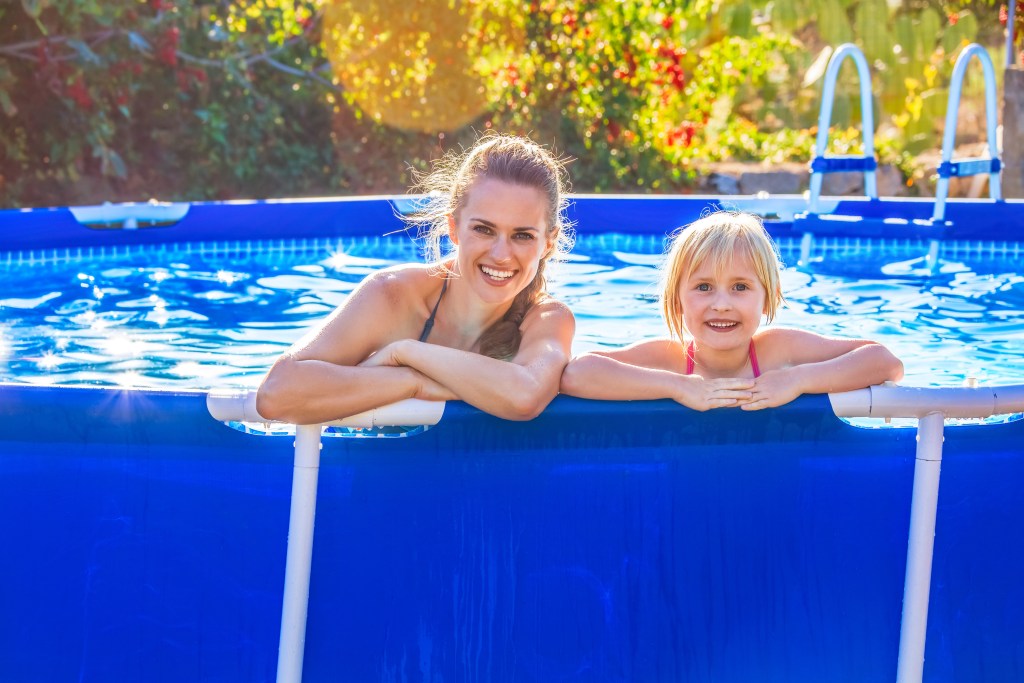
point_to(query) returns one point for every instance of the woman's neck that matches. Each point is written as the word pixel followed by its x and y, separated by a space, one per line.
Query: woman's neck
pixel 466 317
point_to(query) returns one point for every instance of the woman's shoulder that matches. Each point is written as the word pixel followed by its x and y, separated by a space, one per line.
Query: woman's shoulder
pixel 550 306
pixel 403 279
pixel 548 314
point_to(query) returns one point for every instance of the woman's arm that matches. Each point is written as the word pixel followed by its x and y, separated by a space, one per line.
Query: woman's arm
pixel 813 364
pixel 318 379
pixel 519 389
pixel 638 372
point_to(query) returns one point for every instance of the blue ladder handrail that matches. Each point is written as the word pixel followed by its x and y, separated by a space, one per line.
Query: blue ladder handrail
pixel 949 167
pixel 824 163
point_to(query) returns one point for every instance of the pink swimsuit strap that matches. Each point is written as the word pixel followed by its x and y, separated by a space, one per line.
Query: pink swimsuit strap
pixel 753 359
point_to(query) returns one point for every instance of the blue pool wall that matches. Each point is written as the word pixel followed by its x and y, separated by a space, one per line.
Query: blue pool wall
pixel 604 541
pixel 600 542
pixel 57 228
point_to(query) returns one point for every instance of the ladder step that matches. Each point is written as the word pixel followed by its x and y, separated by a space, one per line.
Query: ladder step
pixel 961 168
pixel 838 164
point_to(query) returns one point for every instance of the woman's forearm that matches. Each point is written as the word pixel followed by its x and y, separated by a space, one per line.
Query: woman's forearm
pixel 503 388
pixel 312 391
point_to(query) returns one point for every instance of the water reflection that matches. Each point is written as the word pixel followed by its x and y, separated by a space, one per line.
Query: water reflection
pixel 221 320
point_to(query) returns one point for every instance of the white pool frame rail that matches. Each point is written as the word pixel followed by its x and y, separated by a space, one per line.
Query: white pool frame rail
pixel 929 405
pixel 240 406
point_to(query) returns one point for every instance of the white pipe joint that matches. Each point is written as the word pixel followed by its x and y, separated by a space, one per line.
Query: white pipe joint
pixel 897 401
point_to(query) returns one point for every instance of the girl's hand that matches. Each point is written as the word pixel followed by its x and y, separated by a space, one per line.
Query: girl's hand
pixel 704 394
pixel 775 388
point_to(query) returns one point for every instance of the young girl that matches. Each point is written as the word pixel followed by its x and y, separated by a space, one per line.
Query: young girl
pixel 476 324
pixel 722 277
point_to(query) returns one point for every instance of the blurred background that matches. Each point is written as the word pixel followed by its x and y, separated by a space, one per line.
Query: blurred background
pixel 128 100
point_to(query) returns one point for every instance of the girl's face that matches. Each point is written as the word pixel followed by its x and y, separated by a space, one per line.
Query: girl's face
pixel 722 307
pixel 502 234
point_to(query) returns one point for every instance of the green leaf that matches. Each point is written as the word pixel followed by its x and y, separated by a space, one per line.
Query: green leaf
pixel 7 105
pixel 741 20
pixel 33 8
pixel 871 19
pixel 833 23
pixel 785 14
pixel 929 26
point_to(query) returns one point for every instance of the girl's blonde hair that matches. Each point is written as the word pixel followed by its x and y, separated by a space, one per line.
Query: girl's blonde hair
pixel 510 159
pixel 714 239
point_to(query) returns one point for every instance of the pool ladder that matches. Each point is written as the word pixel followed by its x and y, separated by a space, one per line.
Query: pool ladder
pixel 867 163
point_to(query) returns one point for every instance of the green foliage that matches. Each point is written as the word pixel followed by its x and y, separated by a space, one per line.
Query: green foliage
pixel 122 99
pixel 128 99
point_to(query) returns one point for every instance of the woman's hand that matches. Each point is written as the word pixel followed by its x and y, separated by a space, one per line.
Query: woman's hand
pixel 389 355
pixel 704 394
pixel 431 390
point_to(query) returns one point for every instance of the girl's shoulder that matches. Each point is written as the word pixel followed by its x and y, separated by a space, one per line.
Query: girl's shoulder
pixel 785 346
pixel 783 335
pixel 663 353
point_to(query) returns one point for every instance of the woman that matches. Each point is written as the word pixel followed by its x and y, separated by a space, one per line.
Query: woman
pixel 476 324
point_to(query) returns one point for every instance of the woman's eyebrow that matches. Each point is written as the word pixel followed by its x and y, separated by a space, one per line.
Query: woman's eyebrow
pixel 490 224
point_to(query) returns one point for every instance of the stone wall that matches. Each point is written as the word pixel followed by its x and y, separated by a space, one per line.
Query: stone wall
pixel 794 178
pixel 1013 133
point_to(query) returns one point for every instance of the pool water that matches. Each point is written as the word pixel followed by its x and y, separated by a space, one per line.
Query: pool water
pixel 199 316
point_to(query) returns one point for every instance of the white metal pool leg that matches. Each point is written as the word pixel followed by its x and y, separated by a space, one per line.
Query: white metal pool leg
pixel 923 504
pixel 300 554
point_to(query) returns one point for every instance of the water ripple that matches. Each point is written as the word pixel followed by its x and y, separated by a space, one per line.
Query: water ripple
pixel 214 321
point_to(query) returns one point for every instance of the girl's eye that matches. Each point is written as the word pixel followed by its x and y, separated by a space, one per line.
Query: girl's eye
pixel 703 287
pixel 742 287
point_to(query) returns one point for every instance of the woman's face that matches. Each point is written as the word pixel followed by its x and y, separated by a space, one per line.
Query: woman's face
pixel 502 234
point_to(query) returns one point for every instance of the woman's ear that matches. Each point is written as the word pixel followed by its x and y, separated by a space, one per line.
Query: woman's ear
pixel 550 247
pixel 452 232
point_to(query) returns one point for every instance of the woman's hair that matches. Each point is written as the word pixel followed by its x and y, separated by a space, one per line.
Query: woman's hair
pixel 509 159
pixel 714 239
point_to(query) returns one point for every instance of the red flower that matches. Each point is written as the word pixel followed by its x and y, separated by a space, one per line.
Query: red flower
pixel 80 94
pixel 613 130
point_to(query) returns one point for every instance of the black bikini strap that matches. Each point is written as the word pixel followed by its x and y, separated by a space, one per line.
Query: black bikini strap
pixel 429 325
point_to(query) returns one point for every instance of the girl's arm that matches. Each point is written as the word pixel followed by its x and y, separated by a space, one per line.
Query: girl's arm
pixel 809 363
pixel 318 381
pixel 519 389
pixel 644 371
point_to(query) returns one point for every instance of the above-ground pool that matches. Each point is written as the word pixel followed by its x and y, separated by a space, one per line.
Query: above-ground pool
pixel 603 541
